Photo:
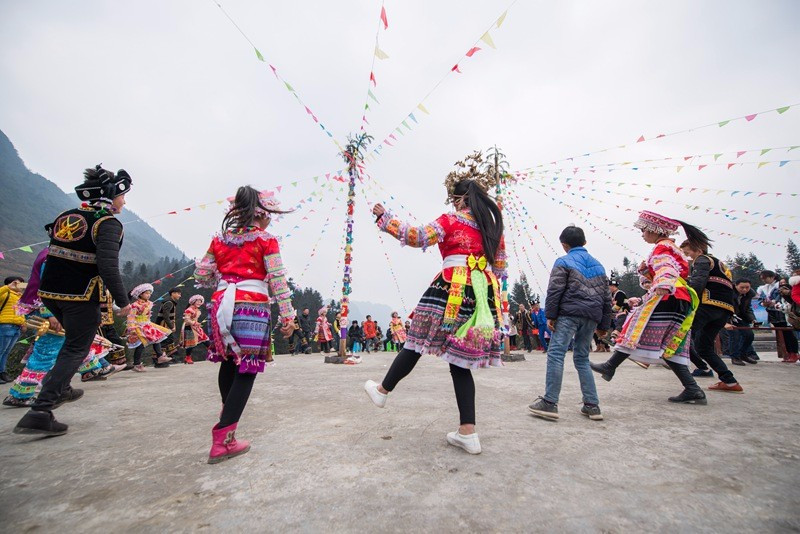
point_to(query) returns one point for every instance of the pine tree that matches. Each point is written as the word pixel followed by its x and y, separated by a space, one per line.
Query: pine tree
pixel 521 294
pixel 792 256
pixel 745 266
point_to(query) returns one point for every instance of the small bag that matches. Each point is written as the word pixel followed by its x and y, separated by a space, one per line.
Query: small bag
pixel 793 319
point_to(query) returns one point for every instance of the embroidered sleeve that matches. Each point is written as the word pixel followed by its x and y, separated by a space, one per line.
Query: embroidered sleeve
pixel 206 273
pixel 277 281
pixel 666 268
pixel 500 266
pixel 422 236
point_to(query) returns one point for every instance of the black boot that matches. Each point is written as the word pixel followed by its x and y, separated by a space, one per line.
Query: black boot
pixel 608 368
pixel 70 394
pixel 692 394
pixel 41 423
pixel 5 378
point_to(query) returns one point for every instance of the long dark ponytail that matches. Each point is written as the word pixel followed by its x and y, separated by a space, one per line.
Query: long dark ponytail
pixel 244 212
pixel 696 238
pixel 487 215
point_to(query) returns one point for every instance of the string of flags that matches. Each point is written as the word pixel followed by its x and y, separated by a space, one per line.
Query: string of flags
pixel 675 188
pixel 681 159
pixel 323 229
pixel 281 79
pixel 514 225
pixel 692 207
pixel 627 209
pixel 413 117
pixel 677 168
pixel 372 83
pixel 641 139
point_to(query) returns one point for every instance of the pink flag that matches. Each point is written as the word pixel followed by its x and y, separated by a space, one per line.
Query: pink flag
pixel 455 68
pixel 472 51
pixel 372 79
pixel 641 138
pixel 748 118
pixel 279 188
pixel 730 165
pixel 384 19
pixel 700 167
pixel 741 152
pixel 172 213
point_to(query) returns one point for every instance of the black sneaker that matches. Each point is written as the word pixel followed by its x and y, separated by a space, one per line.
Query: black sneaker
pixel 5 378
pixel 71 395
pixel 750 359
pixel 543 408
pixel 708 373
pixel 737 361
pixel 592 411
pixel 690 397
pixel 40 423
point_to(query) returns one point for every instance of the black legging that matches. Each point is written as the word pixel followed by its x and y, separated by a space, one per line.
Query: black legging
pixel 708 323
pixel 463 383
pixel 788 338
pixel 234 388
pixel 138 351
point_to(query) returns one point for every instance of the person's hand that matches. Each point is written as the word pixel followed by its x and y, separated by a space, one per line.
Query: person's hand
pixel 642 267
pixel 23 328
pixel 378 210
pixel 662 291
pixel 601 333
pixel 551 324
pixel 728 326
pixel 123 312
pixel 55 326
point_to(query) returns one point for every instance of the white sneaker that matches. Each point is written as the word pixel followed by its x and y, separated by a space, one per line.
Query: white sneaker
pixel 469 443
pixel 378 398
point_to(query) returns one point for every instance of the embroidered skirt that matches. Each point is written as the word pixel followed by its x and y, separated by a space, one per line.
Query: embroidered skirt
pixel 656 333
pixel 42 359
pixel 193 336
pixel 147 334
pixel 251 328
pixel 430 335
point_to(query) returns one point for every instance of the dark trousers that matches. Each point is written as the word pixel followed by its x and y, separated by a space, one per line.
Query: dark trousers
pixel 526 339
pixel 139 351
pixel 789 338
pixel 463 383
pixel 234 388
pixel 80 321
pixel 742 343
pixel 708 321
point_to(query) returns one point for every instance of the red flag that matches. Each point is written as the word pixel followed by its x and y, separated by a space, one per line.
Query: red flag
pixel 730 165
pixel 472 51
pixel 641 138
pixel 700 167
pixel 372 79
pixel 455 68
pixel 172 213
pixel 383 18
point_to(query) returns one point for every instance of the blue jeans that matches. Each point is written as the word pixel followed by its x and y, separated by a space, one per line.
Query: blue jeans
pixel 567 328
pixel 9 334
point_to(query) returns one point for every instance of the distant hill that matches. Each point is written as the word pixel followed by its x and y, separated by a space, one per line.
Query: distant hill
pixel 28 201
pixel 379 312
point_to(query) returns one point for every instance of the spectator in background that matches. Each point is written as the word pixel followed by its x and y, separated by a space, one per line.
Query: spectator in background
pixel 578 305
pixel 354 335
pixel 525 326
pixel 770 297
pixel 538 316
pixel 741 341
pixel 11 324
pixel 370 332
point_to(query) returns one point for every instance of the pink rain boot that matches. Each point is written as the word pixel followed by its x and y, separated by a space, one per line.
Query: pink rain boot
pixel 224 444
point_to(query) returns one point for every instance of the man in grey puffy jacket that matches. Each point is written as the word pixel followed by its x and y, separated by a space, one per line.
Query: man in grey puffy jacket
pixel 578 305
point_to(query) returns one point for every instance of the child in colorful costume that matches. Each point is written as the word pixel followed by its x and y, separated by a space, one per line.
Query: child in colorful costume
pixel 193 333
pixel 244 265
pixel 323 330
pixel 141 331
pixel 398 331
pixel 458 317
pixel 659 330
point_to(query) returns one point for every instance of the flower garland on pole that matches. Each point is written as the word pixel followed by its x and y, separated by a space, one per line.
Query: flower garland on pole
pixel 497 166
pixel 353 156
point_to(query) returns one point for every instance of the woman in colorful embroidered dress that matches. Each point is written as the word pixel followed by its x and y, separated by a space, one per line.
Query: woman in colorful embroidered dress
pixel 458 317
pixel 398 331
pixel 658 330
pixel 192 333
pixel 141 331
pixel 244 265
pixel 323 330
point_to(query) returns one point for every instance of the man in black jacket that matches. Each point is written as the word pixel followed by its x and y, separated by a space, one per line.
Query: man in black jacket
pixel 82 267
pixel 742 340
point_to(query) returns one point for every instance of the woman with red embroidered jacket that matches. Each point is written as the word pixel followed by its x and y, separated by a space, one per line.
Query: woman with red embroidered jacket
pixel 458 316
pixel 244 265
pixel 658 330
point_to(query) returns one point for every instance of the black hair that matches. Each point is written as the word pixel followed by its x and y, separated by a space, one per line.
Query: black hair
pixel 243 212
pixel 742 281
pixel 98 173
pixel 573 236
pixel 12 279
pixel 487 215
pixel 695 238
pixel 175 290
pixel 355 322
pixel 767 273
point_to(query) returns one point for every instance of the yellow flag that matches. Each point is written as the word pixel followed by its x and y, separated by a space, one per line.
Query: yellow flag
pixel 486 38
pixel 762 164
pixel 501 19
pixel 422 109
pixel 380 54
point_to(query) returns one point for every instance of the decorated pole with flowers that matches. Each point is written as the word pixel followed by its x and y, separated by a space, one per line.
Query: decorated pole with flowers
pixel 353 156
pixel 498 167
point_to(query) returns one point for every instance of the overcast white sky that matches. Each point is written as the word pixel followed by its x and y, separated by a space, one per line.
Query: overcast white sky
pixel 170 91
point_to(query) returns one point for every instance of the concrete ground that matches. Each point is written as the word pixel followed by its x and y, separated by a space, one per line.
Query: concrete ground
pixel 324 459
